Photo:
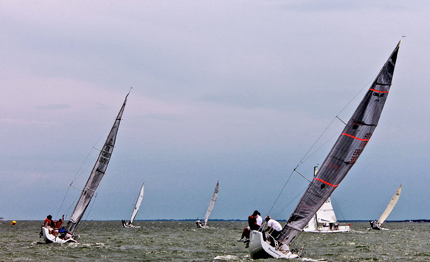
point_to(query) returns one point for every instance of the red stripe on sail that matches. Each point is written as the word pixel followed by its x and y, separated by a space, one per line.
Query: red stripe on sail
pixel 378 91
pixel 345 134
pixel 326 182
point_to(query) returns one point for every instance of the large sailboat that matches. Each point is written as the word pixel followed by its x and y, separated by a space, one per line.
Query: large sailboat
pixel 204 224
pixel 378 224
pixel 339 161
pixel 129 224
pixel 324 220
pixel 52 236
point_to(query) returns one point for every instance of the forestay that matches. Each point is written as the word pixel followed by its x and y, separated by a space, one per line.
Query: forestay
pixel 97 173
pixel 344 153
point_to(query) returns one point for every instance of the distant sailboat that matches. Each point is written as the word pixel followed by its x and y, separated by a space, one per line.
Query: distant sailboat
pixel 99 169
pixel 325 221
pixel 210 208
pixel 339 161
pixel 378 224
pixel 129 224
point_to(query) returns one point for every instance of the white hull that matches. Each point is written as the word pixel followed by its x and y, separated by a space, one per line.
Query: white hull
pixel 340 229
pixel 258 248
pixel 50 238
pixel 128 225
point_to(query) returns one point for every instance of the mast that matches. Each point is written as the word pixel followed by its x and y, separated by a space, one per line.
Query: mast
pixel 137 205
pixel 390 206
pixel 344 153
pixel 212 203
pixel 97 173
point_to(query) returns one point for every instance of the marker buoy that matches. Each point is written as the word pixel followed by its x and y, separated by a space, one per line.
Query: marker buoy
pixel 13 223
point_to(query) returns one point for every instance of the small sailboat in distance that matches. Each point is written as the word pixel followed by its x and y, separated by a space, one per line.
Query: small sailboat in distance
pixel 210 208
pixel 129 224
pixel 50 235
pixel 342 157
pixel 378 224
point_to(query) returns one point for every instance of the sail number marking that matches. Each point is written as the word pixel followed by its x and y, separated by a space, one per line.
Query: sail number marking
pixel 360 148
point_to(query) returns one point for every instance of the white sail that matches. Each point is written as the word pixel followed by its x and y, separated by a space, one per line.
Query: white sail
pixel 137 205
pixel 97 173
pixel 212 203
pixel 390 206
pixel 326 213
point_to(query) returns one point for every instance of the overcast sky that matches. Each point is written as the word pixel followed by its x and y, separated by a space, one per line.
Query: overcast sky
pixel 235 91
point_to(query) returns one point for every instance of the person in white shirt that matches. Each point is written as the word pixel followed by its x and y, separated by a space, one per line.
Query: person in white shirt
pixel 273 228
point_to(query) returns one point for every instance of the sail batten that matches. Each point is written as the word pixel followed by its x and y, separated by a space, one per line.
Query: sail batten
pixel 344 153
pixel 97 173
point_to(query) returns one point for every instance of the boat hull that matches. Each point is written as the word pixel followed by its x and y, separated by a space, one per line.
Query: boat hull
pixel 50 238
pixel 258 248
pixel 128 225
pixel 340 229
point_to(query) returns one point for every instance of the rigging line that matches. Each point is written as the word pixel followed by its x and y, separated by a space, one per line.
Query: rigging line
pixel 61 206
pixel 299 194
pixel 280 193
pixel 338 209
pixel 302 175
pixel 337 116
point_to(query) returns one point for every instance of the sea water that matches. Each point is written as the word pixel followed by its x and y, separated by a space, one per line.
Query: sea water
pixel 183 241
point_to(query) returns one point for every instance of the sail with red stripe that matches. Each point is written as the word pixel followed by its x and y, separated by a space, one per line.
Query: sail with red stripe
pixel 344 153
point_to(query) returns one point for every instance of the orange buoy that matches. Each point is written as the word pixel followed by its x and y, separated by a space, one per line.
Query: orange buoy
pixel 13 223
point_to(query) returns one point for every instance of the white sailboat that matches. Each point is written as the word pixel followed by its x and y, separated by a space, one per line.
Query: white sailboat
pixel 129 224
pixel 204 224
pixel 335 167
pixel 52 236
pixel 378 224
pixel 325 221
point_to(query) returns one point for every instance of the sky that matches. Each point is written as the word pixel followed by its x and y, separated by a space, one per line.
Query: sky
pixel 235 91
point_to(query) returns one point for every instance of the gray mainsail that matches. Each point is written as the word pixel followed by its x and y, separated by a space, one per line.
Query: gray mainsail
pixel 344 153
pixel 97 173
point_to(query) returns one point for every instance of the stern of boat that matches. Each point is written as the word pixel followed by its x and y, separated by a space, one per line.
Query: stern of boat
pixel 258 248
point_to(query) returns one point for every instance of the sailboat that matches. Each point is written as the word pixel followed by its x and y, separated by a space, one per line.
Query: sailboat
pixel 324 221
pixel 204 224
pixel 129 224
pixel 339 161
pixel 378 224
pixel 96 175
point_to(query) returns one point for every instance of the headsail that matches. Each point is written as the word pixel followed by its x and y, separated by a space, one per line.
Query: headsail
pixel 97 173
pixel 137 205
pixel 344 153
pixel 212 203
pixel 390 206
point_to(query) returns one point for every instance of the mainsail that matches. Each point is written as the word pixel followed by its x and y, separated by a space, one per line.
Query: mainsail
pixel 97 173
pixel 390 206
pixel 344 153
pixel 212 203
pixel 137 205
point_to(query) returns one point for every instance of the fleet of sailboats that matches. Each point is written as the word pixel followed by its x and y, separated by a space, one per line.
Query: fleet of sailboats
pixel 204 224
pixel 391 205
pixel 96 175
pixel 340 160
pixel 129 224
pixel 313 213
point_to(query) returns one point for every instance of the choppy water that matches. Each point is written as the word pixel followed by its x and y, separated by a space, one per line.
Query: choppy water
pixel 181 241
